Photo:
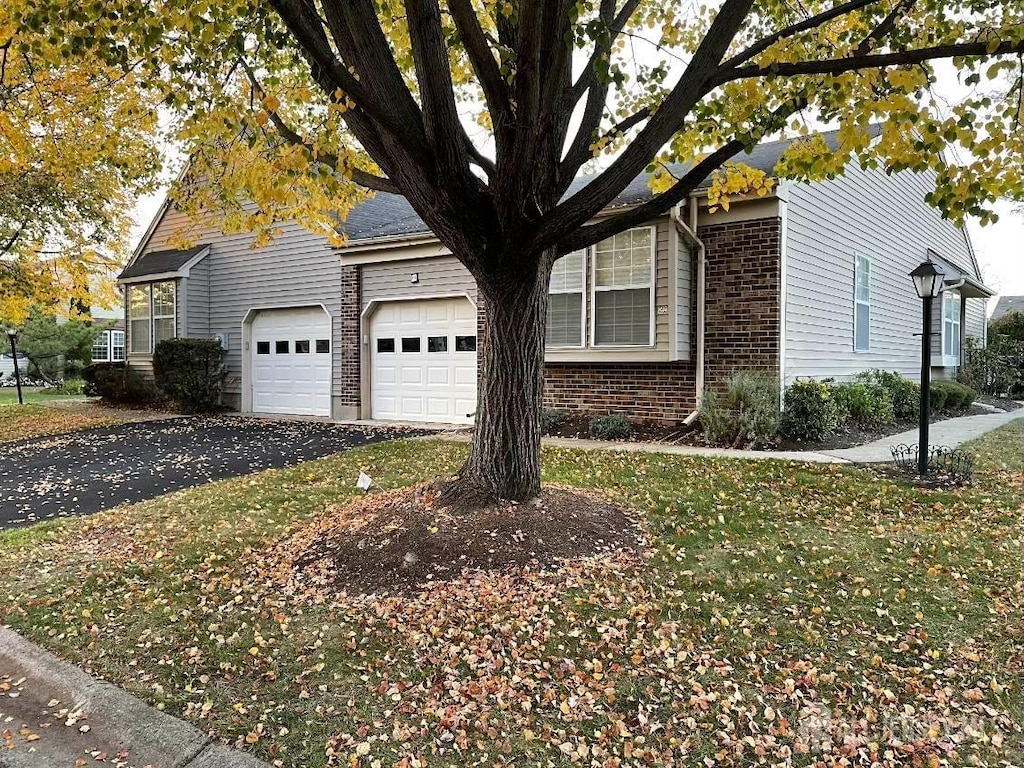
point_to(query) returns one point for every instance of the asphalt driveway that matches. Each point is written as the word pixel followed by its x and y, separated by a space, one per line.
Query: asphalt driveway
pixel 85 472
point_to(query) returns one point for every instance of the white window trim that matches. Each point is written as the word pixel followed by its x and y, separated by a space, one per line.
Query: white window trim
pixel 857 257
pixel 108 356
pixel 153 317
pixel 586 252
pixel 123 345
pixel 594 289
pixel 149 319
pixel 952 358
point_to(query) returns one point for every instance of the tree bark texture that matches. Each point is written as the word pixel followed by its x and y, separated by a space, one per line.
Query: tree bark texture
pixel 504 461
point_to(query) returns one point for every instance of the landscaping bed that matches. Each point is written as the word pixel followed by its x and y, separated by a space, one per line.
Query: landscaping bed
pixel 781 613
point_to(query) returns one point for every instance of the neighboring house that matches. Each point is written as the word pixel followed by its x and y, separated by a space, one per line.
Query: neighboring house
pixel 1006 305
pixel 7 365
pixel 809 282
pixel 109 346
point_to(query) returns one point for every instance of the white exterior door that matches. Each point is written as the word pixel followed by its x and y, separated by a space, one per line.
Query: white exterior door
pixel 291 361
pixel 423 361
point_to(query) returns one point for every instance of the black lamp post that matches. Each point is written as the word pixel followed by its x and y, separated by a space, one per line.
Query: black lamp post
pixel 928 284
pixel 12 334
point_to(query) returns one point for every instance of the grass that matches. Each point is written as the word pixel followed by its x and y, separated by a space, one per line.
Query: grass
pixel 786 614
pixel 9 395
pixel 18 422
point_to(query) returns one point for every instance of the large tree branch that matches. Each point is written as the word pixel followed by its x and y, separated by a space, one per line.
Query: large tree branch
pixel 691 87
pixel 580 152
pixel 871 61
pixel 483 63
pixel 806 25
pixel 615 24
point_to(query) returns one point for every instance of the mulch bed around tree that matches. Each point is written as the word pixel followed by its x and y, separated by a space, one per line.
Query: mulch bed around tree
pixel 393 541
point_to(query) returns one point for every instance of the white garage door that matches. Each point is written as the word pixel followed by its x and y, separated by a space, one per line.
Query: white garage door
pixel 423 361
pixel 291 361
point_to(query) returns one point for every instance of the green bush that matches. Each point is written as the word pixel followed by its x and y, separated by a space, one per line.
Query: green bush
pixel 69 387
pixel 190 372
pixel 746 413
pixel 997 369
pixel 551 419
pixel 811 411
pixel 118 384
pixel 951 396
pixel 904 393
pixel 869 405
pixel 610 427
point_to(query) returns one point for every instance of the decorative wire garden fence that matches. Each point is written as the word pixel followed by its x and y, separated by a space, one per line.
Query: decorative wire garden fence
pixel 945 464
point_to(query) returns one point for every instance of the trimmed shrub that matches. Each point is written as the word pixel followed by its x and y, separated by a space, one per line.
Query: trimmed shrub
pixel 869 405
pixel 610 427
pixel 904 393
pixel 89 376
pixel 997 369
pixel 951 396
pixel 746 413
pixel 69 387
pixel 811 411
pixel 551 419
pixel 123 386
pixel 191 372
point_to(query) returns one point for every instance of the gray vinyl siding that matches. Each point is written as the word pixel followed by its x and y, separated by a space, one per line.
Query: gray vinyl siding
pixel 976 318
pixel 197 300
pixel 442 276
pixel 684 305
pixel 662 307
pixel 297 269
pixel 882 217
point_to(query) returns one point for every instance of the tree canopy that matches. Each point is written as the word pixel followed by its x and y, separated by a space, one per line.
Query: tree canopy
pixel 77 145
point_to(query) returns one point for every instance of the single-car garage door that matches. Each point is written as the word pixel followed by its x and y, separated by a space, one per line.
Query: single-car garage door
pixel 423 361
pixel 291 361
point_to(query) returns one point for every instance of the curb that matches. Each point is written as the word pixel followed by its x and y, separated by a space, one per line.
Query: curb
pixel 126 730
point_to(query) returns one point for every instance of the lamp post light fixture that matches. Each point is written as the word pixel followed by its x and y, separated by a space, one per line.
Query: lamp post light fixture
pixel 12 334
pixel 928 278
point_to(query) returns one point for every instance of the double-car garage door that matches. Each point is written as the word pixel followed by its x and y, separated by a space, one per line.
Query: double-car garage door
pixel 423 361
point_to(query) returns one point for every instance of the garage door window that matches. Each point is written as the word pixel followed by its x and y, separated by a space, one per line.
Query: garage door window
pixel 281 347
pixel 465 343
pixel 302 347
pixel 262 347
pixel 323 346
pixel 385 345
pixel 437 344
pixel 411 344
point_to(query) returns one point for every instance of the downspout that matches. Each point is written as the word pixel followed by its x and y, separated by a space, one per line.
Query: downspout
pixel 691 232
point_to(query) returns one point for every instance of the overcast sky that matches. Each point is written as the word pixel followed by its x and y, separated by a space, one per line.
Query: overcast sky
pixel 1000 246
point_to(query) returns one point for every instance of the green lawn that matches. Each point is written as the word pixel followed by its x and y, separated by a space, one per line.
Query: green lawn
pixel 9 395
pixel 786 614
pixel 18 422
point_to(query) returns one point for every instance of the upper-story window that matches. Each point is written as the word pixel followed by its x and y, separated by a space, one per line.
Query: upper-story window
pixel 565 303
pixel 151 315
pixel 951 324
pixel 862 304
pixel 623 289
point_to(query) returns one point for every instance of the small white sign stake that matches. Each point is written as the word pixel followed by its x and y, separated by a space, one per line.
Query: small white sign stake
pixel 364 482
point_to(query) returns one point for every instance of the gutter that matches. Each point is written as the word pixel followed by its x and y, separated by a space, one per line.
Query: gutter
pixel 691 233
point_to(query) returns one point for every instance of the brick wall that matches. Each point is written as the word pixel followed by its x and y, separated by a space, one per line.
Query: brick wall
pixel 742 308
pixel 660 392
pixel 349 337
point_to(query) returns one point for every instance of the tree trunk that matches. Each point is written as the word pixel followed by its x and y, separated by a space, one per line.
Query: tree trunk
pixel 504 462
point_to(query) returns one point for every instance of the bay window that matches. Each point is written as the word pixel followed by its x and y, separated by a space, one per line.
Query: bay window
pixel 151 315
pixel 565 302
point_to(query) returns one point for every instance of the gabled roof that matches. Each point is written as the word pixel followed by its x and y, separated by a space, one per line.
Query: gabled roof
pixel 169 263
pixel 390 216
pixel 1007 304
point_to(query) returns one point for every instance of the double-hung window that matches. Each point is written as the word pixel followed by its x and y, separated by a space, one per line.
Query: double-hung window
pixel 862 304
pixel 951 324
pixel 117 346
pixel 565 302
pixel 101 348
pixel 151 315
pixel 623 289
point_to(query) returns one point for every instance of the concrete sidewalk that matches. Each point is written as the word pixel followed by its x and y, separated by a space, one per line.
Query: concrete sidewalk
pixel 950 432
pixel 54 714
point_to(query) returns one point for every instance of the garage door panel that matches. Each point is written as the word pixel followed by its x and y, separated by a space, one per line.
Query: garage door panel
pixel 416 374
pixel 291 382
